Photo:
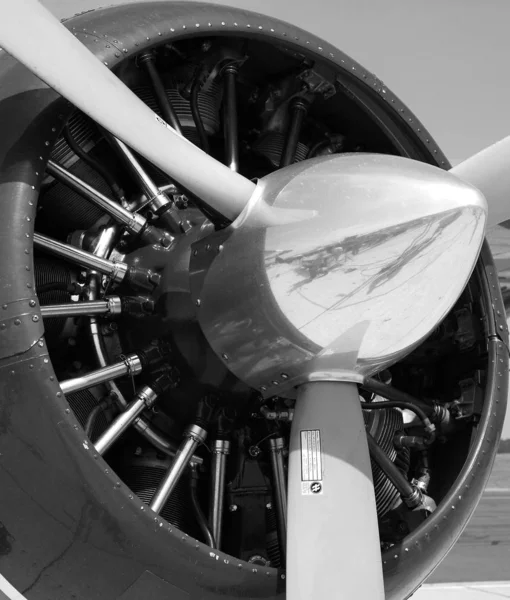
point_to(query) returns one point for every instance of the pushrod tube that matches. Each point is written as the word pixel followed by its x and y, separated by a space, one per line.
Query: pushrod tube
pixel 111 306
pixel 276 447
pixel 220 452
pixel 131 365
pixel 145 398
pixel 147 60
pixel 230 119
pixel 298 112
pixel 134 222
pixel 116 270
pixel 193 437
pixel 88 84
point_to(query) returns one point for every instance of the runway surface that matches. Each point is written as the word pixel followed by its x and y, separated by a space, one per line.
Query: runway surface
pixel 483 551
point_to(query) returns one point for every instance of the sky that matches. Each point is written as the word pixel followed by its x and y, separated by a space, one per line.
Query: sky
pixel 448 61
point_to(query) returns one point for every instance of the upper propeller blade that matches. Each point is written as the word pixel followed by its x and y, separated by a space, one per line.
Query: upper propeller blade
pixel 489 171
pixel 35 37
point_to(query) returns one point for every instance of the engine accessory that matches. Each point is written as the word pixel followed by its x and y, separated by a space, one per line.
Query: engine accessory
pixel 220 452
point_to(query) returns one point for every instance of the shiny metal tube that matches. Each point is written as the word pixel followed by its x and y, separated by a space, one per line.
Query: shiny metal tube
pixel 134 222
pixel 110 306
pixel 193 437
pixel 116 270
pixel 156 197
pixel 145 398
pixel 130 365
pixel 157 200
pixel 147 59
pixel 193 481
pixel 230 119
pixel 220 451
pixel 299 110
pixel 276 447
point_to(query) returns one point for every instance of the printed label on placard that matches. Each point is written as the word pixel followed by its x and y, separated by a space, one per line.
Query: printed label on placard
pixel 311 463
pixel 162 121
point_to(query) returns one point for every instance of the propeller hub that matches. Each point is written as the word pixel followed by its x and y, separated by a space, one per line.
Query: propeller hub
pixel 338 267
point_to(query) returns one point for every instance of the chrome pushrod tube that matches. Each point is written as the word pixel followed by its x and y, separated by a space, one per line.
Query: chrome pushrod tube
pixel 131 365
pixel 134 222
pixel 111 306
pixel 147 59
pixel 276 447
pixel 88 84
pixel 157 200
pixel 220 451
pixel 230 118
pixel 145 398
pixel 193 437
pixel 116 270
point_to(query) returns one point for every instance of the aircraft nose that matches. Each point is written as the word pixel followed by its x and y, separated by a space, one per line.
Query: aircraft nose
pixel 338 267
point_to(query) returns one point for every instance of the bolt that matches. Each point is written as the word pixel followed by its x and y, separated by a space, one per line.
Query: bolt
pixel 17 322
pixel 269 506
pixel 165 242
pixel 32 303
pixel 232 508
pixel 35 318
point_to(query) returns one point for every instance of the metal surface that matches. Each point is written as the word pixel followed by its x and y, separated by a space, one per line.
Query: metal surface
pixel 276 448
pixel 193 437
pixel 220 451
pixel 116 270
pixel 145 398
pixel 131 365
pixel 71 72
pixel 134 222
pixel 111 306
pixel 230 119
pixel 333 535
pixel 322 264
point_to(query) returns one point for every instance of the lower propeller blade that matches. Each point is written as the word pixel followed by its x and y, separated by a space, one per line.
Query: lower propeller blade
pixel 333 536
pixel 488 171
pixel 68 67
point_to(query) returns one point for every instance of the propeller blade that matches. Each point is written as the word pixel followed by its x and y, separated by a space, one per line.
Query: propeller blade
pixel 332 534
pixel 489 171
pixel 66 65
